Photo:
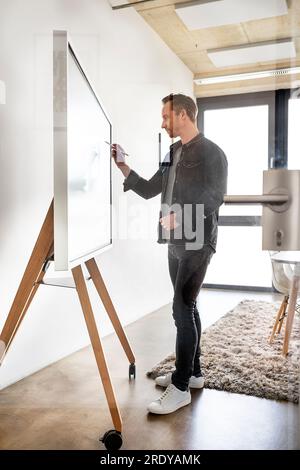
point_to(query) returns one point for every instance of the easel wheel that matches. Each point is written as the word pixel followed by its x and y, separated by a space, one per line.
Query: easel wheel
pixel 112 440
pixel 131 371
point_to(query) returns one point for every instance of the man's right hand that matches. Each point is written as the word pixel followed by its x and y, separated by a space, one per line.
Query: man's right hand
pixel 118 154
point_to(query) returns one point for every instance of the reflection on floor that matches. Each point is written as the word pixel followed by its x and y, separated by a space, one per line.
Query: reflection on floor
pixel 63 406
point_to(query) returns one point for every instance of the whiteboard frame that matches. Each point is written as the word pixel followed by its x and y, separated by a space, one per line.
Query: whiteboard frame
pixel 61 47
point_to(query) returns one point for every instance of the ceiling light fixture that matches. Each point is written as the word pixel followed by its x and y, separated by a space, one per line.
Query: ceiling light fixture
pixel 253 53
pixel 224 12
pixel 247 76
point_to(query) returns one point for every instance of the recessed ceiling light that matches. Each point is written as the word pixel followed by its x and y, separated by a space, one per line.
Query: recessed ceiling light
pixel 253 53
pixel 246 76
pixel 222 12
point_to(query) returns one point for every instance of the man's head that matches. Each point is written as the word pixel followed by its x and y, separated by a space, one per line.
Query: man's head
pixel 179 113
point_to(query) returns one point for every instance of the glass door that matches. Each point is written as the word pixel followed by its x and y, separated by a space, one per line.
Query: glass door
pixel 243 126
pixel 293 131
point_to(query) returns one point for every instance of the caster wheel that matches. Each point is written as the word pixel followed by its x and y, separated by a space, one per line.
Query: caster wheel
pixel 131 371
pixel 112 440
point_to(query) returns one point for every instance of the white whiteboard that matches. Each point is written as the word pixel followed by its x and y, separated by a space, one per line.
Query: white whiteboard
pixel 82 162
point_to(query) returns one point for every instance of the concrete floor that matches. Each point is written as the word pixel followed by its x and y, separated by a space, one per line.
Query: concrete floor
pixel 63 406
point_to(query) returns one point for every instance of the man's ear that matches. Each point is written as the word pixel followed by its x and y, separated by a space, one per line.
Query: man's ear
pixel 183 114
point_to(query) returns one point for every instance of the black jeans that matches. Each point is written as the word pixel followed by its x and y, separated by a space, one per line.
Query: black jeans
pixel 187 270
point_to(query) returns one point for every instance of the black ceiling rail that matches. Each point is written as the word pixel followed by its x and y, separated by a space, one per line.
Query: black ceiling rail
pixel 177 5
pixel 132 4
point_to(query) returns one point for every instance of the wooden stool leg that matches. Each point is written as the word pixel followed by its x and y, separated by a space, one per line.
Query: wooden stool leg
pixel 281 320
pixel 291 313
pixel 97 346
pixel 104 295
pixel 28 287
pixel 278 316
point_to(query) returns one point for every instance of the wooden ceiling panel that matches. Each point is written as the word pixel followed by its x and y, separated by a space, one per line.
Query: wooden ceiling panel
pixel 211 38
pixel 270 28
pixel 165 21
pixel 297 45
pixel 198 62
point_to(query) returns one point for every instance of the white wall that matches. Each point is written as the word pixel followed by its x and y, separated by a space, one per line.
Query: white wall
pixel 132 69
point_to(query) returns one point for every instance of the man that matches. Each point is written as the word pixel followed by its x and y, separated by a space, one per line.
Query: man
pixel 192 186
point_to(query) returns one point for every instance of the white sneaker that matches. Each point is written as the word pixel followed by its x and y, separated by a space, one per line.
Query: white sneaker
pixel 171 400
pixel 165 380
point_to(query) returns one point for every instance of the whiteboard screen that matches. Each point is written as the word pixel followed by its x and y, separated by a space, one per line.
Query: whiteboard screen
pixel 82 226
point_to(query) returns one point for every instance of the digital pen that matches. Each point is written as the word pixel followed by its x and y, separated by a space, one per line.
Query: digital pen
pixel 112 146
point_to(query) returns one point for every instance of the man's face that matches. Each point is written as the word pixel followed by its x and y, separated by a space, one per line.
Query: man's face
pixel 171 121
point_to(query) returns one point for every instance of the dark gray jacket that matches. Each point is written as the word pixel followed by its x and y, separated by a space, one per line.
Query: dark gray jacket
pixel 201 178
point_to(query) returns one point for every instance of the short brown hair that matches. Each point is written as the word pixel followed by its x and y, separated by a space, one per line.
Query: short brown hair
pixel 179 102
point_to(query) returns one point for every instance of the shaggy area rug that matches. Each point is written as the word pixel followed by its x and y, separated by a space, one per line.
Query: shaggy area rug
pixel 237 357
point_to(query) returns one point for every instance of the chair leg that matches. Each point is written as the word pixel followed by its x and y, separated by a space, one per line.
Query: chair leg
pixel 286 301
pixel 276 324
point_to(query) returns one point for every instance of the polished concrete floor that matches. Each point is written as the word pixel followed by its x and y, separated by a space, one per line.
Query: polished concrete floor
pixel 63 406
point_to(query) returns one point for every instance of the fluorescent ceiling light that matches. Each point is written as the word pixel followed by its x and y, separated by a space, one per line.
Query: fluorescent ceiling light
pixel 246 76
pixel 2 92
pixel 253 53
pixel 222 12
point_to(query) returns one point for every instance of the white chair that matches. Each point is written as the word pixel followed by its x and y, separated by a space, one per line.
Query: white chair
pixel 282 274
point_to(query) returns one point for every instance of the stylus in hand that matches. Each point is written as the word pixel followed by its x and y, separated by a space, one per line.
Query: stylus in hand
pixel 113 147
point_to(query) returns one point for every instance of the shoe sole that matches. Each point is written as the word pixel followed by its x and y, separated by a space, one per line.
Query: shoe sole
pixel 190 386
pixel 165 412
pixel 197 386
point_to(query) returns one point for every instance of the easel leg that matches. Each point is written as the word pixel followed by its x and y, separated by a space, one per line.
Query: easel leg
pixel 97 346
pixel 28 287
pixel 291 313
pixel 22 315
pixel 105 297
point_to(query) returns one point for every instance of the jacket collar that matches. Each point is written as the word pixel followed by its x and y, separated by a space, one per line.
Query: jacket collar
pixel 173 147
pixel 196 139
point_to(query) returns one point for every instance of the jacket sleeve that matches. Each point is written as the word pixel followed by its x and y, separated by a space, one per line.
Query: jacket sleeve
pixel 144 188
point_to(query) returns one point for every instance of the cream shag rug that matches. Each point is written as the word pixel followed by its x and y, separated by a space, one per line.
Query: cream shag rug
pixel 237 357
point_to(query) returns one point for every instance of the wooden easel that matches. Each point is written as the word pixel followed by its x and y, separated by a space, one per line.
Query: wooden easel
pixel 43 251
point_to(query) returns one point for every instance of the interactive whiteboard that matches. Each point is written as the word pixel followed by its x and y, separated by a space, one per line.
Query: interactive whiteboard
pixel 82 162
